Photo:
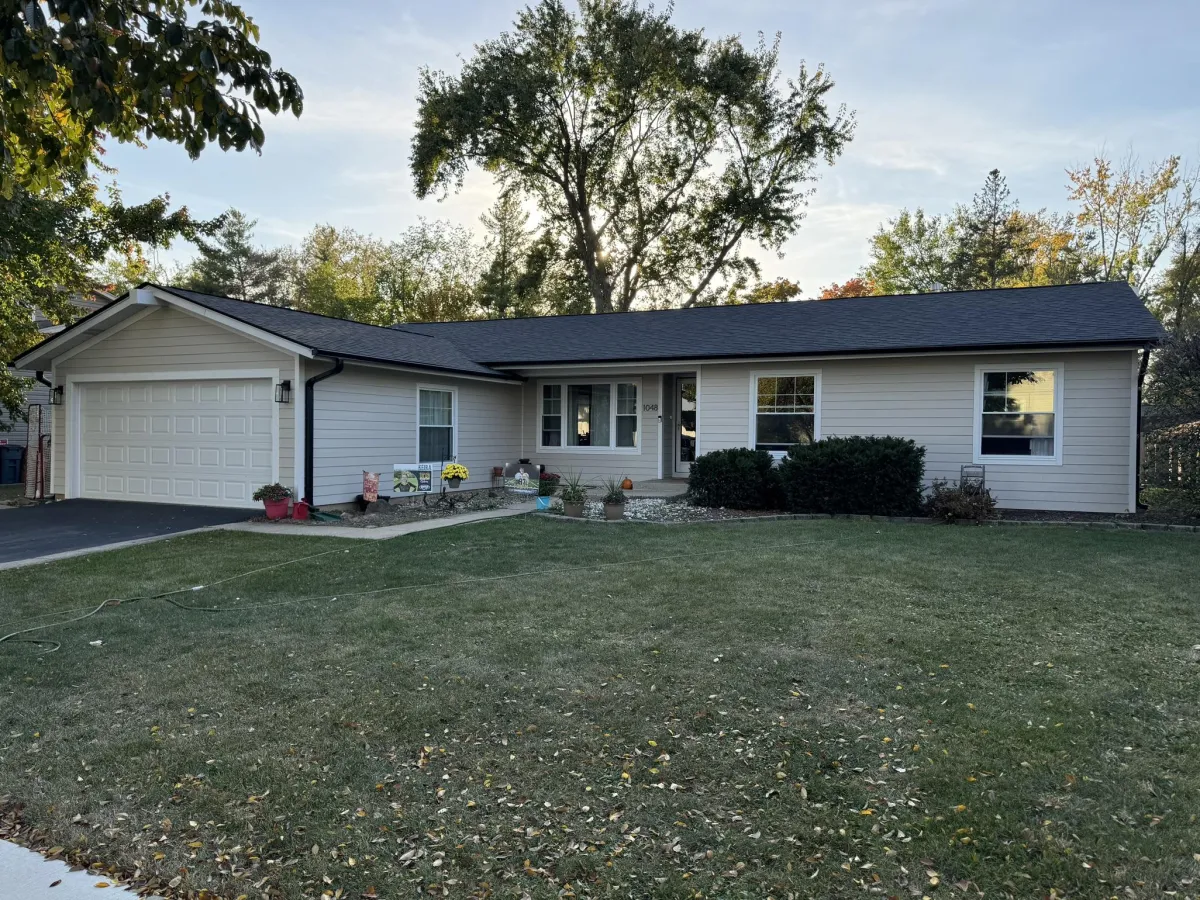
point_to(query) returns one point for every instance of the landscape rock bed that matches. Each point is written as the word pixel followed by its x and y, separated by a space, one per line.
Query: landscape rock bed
pixel 662 511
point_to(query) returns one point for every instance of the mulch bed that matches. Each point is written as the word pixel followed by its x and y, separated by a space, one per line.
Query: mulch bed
pixel 398 512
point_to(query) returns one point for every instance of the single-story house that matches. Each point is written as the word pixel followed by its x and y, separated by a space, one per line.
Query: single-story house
pixel 169 395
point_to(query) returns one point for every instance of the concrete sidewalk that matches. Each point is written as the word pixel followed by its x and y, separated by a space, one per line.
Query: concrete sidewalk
pixel 382 533
pixel 26 875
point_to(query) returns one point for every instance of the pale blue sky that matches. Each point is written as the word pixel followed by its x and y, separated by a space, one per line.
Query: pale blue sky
pixel 944 91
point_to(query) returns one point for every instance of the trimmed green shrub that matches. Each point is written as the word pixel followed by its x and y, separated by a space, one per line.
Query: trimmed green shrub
pixel 855 475
pixel 735 479
pixel 949 502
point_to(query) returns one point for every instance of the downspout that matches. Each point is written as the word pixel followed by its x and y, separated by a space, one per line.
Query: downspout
pixel 1138 505
pixel 40 376
pixel 309 418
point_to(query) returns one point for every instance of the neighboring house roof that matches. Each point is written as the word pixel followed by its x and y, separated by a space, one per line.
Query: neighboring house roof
pixel 340 337
pixel 94 299
pixel 1068 315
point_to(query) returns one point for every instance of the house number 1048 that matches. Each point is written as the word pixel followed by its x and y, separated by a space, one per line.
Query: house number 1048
pixel 649 407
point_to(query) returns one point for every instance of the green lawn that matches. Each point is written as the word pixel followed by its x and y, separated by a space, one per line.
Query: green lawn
pixel 810 709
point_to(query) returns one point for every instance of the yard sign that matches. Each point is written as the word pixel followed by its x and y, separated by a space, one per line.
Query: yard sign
pixel 414 478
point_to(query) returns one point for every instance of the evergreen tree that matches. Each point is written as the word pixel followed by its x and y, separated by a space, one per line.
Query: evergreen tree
pixel 508 242
pixel 230 265
pixel 993 240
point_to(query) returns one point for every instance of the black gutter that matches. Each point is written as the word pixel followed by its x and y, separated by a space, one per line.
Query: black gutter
pixel 822 354
pixel 338 365
pixel 38 376
pixel 1137 474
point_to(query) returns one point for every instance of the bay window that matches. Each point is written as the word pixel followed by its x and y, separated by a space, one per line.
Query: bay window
pixel 601 415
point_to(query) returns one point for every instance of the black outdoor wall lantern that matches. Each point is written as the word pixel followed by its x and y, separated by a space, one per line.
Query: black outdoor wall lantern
pixel 56 395
pixel 283 392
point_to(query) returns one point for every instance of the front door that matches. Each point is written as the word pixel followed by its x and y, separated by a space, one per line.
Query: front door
pixel 685 433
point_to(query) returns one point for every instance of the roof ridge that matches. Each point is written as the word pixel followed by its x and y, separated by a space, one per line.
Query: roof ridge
pixel 916 295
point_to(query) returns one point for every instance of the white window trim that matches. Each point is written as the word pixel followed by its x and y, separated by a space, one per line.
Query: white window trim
pixel 612 416
pixel 977 424
pixel 815 374
pixel 446 389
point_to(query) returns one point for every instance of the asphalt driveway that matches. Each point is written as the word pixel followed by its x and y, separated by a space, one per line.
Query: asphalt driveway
pixel 70 525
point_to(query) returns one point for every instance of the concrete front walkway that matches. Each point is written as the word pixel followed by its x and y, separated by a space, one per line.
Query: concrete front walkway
pixel 26 875
pixel 382 533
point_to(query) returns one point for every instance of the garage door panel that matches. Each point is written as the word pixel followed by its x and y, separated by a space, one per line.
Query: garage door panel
pixel 209 442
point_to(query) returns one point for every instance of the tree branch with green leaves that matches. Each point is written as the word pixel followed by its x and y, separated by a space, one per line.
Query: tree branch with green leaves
pixel 655 153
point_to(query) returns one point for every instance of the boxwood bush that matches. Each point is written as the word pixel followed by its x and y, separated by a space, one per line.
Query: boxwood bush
pixel 879 476
pixel 735 479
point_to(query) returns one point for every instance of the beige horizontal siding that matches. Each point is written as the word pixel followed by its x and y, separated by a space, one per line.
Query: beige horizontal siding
pixel 366 420
pixel 640 464
pixel 932 401
pixel 170 340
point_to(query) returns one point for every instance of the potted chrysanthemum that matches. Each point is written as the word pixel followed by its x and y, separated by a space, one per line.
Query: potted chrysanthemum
pixel 455 474
pixel 274 498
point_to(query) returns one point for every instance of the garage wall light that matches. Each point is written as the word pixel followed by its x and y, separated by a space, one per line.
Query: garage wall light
pixel 283 392
pixel 56 396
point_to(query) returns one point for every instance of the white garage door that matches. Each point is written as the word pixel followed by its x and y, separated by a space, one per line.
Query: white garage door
pixel 208 443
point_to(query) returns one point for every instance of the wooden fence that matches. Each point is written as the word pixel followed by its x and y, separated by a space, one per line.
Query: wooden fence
pixel 1171 457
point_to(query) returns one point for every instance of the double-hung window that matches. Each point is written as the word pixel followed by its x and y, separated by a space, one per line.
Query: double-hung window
pixel 435 425
pixel 785 411
pixel 601 415
pixel 1018 415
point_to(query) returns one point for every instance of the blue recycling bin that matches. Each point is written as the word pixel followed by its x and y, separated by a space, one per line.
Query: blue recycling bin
pixel 10 464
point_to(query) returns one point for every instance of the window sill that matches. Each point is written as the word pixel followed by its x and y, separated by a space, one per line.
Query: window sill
pixel 1017 460
pixel 624 450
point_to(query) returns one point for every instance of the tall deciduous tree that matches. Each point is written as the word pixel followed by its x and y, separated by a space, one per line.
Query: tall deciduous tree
pixel 1177 296
pixel 656 153
pixel 72 70
pixel 911 254
pixel 230 265
pixel 851 287
pixel 1129 217
pixel 430 273
pixel 50 242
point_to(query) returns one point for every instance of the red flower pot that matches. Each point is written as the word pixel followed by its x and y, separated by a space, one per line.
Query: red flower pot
pixel 276 509
pixel 300 510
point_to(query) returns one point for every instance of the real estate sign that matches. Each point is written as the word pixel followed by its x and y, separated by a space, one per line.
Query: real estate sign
pixel 412 478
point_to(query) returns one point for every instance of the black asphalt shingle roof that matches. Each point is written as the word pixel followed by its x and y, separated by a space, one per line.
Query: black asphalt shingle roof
pixel 1068 315
pixel 339 337
pixel 1064 316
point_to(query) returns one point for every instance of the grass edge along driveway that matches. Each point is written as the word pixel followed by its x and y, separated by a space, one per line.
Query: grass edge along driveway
pixel 814 709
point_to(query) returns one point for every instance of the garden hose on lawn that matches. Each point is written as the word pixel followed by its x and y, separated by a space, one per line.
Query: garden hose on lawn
pixel 168 595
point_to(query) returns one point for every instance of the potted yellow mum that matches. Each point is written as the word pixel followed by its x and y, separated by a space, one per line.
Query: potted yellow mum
pixel 455 474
